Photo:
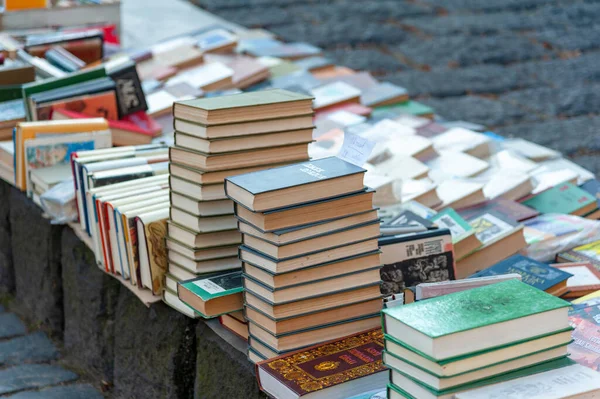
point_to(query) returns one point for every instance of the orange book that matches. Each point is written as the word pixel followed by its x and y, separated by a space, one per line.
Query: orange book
pixel 101 105
pixel 13 5
pixel 29 130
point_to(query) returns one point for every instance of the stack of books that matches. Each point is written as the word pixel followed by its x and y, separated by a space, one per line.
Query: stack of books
pixel 454 343
pixel 216 138
pixel 310 254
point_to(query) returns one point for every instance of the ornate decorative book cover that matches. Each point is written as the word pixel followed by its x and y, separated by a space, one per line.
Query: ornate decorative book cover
pixel 329 364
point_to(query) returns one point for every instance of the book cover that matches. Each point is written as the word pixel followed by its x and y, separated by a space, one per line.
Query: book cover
pixel 215 286
pixel 584 253
pixel 492 226
pixel 130 96
pixel 334 93
pixel 475 308
pixel 294 175
pixel 534 273
pixel 100 105
pixel 247 99
pixel 410 259
pixel 564 198
pixel 327 365
pixel 585 278
pixel 382 93
pixel 585 348
pixel 510 209
pixel 157 253
pixel 449 219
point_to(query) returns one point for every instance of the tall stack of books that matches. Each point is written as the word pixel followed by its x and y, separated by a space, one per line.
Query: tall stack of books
pixel 310 254
pixel 216 138
pixel 443 346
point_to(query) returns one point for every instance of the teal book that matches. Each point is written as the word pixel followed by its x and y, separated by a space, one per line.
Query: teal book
pixel 449 219
pixel 213 296
pixel 565 198
pixel 477 319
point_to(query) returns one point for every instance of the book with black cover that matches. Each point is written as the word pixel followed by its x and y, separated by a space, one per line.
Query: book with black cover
pixel 411 259
pixel 130 94
pixel 534 273
pixel 322 178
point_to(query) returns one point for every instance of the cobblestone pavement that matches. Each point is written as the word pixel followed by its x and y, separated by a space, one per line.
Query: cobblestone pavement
pixel 528 68
pixel 28 365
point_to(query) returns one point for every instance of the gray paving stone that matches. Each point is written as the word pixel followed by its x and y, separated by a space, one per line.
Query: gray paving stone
pixel 31 376
pixel 75 391
pixel 572 39
pixel 496 5
pixel 2 309
pixel 11 325
pixel 461 50
pixel 579 99
pixel 570 136
pixel 265 17
pixel 350 32
pixel 373 60
pixel 33 348
pixel 590 162
pixel 476 109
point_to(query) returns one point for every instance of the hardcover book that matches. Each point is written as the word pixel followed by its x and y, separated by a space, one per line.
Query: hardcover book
pixel 278 187
pixel 585 278
pixel 585 349
pixel 463 234
pixel 213 296
pixel 410 259
pixel 426 327
pixel 333 370
pixel 152 251
pixel 510 209
pixel 534 273
pixel 565 198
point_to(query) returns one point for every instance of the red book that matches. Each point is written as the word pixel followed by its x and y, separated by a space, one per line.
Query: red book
pixel 354 362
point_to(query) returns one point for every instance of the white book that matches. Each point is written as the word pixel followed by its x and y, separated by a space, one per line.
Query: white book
pixel 570 382
pixel 463 140
pixel 402 167
pixel 533 151
pixel 334 93
pixel 451 164
pixel 203 76
pixel 583 174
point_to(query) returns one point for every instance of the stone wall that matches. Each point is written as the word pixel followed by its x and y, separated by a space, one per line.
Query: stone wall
pixel 106 333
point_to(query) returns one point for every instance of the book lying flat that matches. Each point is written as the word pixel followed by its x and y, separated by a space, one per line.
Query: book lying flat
pixel 213 296
pixel 295 184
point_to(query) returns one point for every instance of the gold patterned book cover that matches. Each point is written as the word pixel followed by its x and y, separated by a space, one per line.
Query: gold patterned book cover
pixel 157 253
pixel 326 365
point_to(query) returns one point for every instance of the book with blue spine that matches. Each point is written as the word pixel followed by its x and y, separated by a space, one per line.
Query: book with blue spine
pixel 534 273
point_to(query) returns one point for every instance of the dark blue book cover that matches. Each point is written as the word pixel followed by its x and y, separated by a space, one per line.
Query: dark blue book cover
pixel 534 273
pixel 592 187
pixel 294 175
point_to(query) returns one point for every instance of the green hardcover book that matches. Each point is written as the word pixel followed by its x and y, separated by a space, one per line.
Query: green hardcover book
pixel 213 296
pixel 565 198
pixel 478 319
pixel 463 235
pixel 402 386
pixel 250 106
pixel 55 83
pixel 409 107
pixel 11 92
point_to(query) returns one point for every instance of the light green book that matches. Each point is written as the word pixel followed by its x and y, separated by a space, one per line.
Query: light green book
pixel 463 235
pixel 409 107
pixel 474 320
pixel 213 296
pixel 249 99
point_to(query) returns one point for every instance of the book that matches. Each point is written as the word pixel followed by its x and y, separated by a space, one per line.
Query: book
pixel 432 290
pixel 451 164
pixel 130 96
pixel 382 94
pixel 152 252
pixel 529 149
pixel 294 184
pixel 501 307
pixel 295 123
pixel 243 143
pixel 290 51
pixel 14 5
pixel 181 57
pixel 464 239
pixel 336 93
pixel 204 266
pixel 234 325
pixel 252 106
pixel 406 222
pixel 419 390
pixel 410 259
pixel 171 299
pixel 565 198
pixel 200 192
pixel 203 240
pixel 585 278
pixel 500 237
pixel 534 273
pixel 201 208
pixel 444 383
pixel 41 180
pixel 583 253
pixel 88 45
pixel 16 73
pixel 247 71
pixel 213 296
pixel 463 140
pixel 208 77
pixel 567 382
pixel 402 167
pixel 408 107
pixel 299 262
pixel 585 349
pixel 333 370
pixel 314 244
pixel 216 41
pixel 238 160
pixel 459 193
pixel 203 224
pixel 63 59
pixel 308 213
pixel 28 130
pixel 507 208
pixel 315 288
